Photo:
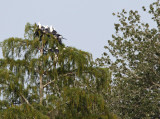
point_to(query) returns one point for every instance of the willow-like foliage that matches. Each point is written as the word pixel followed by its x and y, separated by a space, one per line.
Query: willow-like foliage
pixel 68 83
pixel 21 112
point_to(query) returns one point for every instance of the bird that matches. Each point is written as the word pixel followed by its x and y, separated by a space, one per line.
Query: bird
pixel 56 51
pixel 39 25
pixel 46 27
pixel 61 37
pixel 57 35
pixel 51 29
pixel 54 32
pixel 59 40
pixel 46 30
pixel 42 28
pixel 36 34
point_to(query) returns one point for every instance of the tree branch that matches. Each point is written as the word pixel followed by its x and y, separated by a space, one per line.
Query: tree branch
pixel 70 73
pixel 156 84
pixel 26 100
pixel 48 83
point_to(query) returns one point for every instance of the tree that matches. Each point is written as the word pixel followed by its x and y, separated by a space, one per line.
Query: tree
pixel 136 70
pixel 35 78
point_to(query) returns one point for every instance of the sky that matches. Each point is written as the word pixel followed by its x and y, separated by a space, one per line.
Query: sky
pixel 87 24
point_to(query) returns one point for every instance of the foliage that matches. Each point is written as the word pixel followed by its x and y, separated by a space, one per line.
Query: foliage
pixel 136 70
pixel 38 84
pixel 21 112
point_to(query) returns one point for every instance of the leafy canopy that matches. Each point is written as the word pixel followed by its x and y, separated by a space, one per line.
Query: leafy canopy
pixel 136 70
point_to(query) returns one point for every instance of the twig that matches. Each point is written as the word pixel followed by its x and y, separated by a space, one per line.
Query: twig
pixel 48 83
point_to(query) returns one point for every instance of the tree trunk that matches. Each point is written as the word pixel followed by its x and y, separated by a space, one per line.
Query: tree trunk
pixel 41 90
pixel 41 78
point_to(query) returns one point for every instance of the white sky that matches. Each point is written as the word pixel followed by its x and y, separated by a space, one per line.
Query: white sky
pixel 87 24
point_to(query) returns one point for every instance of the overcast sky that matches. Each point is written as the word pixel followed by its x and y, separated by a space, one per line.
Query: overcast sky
pixel 87 24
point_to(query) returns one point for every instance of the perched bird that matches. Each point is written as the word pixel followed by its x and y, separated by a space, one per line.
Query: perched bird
pixel 59 40
pixel 51 29
pixel 42 28
pixel 46 30
pixel 54 32
pixel 61 37
pixel 36 34
pixel 56 51
pixel 46 27
pixel 39 25
pixel 57 35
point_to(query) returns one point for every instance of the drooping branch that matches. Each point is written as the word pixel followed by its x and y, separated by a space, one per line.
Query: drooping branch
pixel 70 73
